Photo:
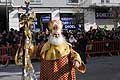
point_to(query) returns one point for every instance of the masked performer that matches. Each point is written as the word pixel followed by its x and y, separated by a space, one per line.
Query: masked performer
pixel 58 59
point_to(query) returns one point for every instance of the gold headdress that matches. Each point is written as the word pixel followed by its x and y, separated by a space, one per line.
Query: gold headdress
pixel 55 26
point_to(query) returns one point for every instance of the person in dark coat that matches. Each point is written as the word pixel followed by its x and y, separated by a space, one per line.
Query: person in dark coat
pixel 81 46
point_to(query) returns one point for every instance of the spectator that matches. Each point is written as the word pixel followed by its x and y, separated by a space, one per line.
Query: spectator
pixel 81 47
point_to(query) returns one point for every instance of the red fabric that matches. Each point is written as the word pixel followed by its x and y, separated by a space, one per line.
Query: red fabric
pixel 60 69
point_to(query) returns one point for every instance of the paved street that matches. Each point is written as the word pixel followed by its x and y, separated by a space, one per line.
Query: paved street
pixel 98 68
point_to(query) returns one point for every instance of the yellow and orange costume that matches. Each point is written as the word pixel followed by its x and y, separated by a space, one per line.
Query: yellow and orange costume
pixel 57 60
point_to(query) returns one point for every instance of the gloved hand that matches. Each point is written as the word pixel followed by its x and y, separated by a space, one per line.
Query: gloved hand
pixel 76 64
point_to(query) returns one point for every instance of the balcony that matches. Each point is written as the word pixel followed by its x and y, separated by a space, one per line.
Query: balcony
pixel 73 1
pixel 35 2
pixel 104 3
pixel 5 2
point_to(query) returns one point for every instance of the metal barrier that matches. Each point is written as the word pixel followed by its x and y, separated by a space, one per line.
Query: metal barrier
pixel 99 47
pixel 9 51
pixel 93 48
pixel 5 56
pixel 6 50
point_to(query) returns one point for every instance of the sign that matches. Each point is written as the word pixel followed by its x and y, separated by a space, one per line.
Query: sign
pixel 103 13
pixel 45 18
pixel 14 20
pixel 72 21
pixel 68 22
pixel 55 14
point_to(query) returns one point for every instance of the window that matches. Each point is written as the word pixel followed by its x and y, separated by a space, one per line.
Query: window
pixel 72 21
pixel 81 0
pixel 5 1
pixel 35 1
pixel 73 1
pixel 107 1
pixel 102 1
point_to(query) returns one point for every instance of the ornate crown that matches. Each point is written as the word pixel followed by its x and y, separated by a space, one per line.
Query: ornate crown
pixel 55 25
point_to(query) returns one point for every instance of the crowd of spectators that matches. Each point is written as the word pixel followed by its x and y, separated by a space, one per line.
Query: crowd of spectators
pixel 72 36
pixel 79 39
